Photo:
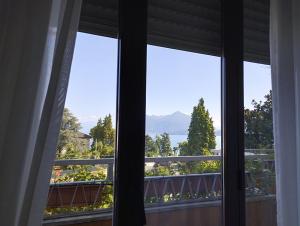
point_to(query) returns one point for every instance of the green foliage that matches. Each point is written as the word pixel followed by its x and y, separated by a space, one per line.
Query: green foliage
pixel 69 121
pixel 101 151
pixel 159 146
pixel 69 132
pixel 72 152
pixel 103 146
pixel 103 132
pixel 263 178
pixel 259 124
pixel 201 134
pixel 151 148
pixel 164 145
pixel 183 148
pixel 209 166
pixel 103 136
pixel 159 170
pixel 79 173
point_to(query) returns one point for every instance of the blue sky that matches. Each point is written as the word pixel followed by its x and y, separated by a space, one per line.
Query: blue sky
pixel 175 80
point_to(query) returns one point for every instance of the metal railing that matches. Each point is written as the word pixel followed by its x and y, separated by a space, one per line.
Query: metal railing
pixel 76 196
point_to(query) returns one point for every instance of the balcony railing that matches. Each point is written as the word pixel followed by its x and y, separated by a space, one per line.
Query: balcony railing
pixel 181 187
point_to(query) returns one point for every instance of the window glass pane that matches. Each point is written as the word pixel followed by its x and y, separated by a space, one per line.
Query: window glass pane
pixel 183 180
pixel 87 132
pixel 259 146
pixel 183 139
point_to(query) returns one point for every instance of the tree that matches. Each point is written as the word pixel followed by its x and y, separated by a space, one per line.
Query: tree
pixel 151 148
pixel 164 145
pixel 103 135
pixel 101 150
pixel 201 135
pixel 183 148
pixel 103 132
pixel 69 121
pixel 259 124
pixel 68 136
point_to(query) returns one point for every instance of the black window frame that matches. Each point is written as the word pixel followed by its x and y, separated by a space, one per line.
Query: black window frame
pixel 131 104
pixel 234 199
pixel 131 110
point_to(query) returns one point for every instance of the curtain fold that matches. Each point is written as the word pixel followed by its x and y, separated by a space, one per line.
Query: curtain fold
pixel 285 66
pixel 35 59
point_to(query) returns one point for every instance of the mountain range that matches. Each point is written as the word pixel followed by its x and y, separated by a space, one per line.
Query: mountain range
pixel 176 123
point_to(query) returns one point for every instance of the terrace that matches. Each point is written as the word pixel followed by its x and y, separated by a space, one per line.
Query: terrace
pixel 169 197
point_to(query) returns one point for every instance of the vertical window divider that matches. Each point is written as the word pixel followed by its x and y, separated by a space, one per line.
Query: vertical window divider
pixel 233 114
pixel 131 110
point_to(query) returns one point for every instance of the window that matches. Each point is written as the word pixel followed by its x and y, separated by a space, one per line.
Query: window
pixel 83 171
pixel 259 147
pixel 189 180
pixel 183 176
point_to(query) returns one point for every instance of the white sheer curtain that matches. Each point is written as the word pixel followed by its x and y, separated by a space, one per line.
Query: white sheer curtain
pixel 285 65
pixel 36 47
